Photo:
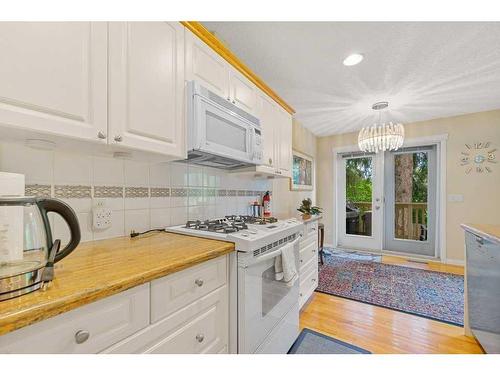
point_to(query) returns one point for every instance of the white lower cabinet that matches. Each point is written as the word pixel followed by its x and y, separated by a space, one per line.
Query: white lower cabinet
pixel 201 327
pixel 308 260
pixel 88 329
pixel 185 312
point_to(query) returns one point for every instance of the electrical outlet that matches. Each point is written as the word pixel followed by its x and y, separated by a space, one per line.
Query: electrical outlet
pixel 101 215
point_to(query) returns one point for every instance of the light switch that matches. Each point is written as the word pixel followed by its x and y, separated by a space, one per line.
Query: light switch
pixel 455 198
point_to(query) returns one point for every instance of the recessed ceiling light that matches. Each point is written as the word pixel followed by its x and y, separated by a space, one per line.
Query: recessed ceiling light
pixel 353 59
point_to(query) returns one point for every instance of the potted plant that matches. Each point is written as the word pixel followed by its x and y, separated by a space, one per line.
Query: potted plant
pixel 308 209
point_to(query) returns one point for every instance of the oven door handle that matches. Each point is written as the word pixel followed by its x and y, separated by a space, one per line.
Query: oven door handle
pixel 271 255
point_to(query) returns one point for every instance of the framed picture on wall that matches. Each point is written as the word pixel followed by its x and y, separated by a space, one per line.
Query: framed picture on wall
pixel 302 172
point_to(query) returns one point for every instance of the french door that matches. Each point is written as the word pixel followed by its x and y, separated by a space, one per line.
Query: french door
pixel 387 201
pixel 360 181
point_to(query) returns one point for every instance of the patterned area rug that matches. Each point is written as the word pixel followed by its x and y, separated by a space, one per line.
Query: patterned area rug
pixel 312 342
pixel 430 294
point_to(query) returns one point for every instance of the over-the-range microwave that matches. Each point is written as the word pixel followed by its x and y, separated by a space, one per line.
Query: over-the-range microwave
pixel 219 134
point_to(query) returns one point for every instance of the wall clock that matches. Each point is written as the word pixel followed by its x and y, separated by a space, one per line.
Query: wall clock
pixel 479 157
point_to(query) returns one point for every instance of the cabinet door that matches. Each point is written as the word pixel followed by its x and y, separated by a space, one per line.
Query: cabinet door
pixel 205 66
pixel 285 142
pixel 242 92
pixel 53 77
pixel 267 117
pixel 146 97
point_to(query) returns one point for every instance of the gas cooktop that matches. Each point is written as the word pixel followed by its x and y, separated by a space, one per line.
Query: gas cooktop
pixel 228 224
pixel 247 232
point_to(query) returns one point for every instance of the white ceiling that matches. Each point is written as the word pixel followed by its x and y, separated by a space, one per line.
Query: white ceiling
pixel 425 70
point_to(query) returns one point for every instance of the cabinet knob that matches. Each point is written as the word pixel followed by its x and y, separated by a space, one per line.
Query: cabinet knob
pixel 81 336
pixel 199 282
pixel 228 99
pixel 270 161
pixel 101 135
pixel 314 250
pixel 118 138
pixel 313 280
pixel 200 337
pixel 234 102
pixel 300 294
pixel 301 261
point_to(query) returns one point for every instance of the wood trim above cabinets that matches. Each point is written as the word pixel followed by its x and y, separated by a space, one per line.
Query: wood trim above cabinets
pixel 213 42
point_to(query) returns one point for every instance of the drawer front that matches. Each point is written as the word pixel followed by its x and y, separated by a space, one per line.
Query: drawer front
pixel 307 253
pixel 305 241
pixel 311 229
pixel 172 292
pixel 201 327
pixel 107 321
pixel 308 284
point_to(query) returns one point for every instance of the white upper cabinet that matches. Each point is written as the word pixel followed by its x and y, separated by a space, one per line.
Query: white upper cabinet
pixel 243 93
pixel 53 78
pixel 267 122
pixel 204 65
pixel 284 126
pixel 276 126
pixel 146 86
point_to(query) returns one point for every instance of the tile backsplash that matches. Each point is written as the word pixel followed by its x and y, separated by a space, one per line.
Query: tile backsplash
pixel 141 195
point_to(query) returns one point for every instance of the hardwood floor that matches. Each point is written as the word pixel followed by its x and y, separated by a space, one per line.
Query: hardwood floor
pixel 382 330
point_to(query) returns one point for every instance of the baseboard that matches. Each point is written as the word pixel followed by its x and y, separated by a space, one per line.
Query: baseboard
pixel 455 262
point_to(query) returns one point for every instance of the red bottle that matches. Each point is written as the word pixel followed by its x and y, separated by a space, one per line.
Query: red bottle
pixel 266 203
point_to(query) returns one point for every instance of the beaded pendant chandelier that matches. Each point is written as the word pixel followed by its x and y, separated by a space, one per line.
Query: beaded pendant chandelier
pixel 381 136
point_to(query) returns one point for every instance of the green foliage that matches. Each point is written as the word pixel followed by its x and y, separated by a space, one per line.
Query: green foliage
pixel 420 173
pixel 359 180
pixel 307 208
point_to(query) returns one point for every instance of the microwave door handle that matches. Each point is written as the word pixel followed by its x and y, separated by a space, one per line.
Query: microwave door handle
pixel 271 255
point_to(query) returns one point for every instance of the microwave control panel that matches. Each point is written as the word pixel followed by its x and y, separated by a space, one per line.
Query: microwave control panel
pixel 257 154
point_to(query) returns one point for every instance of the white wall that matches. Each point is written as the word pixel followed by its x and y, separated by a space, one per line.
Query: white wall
pixel 481 203
pixel 288 201
pixel 184 191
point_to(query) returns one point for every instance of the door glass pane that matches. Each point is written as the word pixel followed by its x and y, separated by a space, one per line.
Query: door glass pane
pixel 222 132
pixel 359 174
pixel 410 192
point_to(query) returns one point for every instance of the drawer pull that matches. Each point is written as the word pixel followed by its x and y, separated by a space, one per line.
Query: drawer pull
pixel 313 251
pixel 199 282
pixel 301 294
pixel 313 280
pixel 302 261
pixel 200 337
pixel 81 336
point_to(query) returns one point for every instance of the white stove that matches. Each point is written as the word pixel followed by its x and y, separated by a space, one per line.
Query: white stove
pixel 267 310
pixel 247 233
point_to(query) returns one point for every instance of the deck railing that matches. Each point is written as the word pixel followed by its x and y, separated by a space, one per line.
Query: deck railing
pixel 410 219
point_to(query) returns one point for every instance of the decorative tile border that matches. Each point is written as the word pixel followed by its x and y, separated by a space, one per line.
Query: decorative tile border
pixel 242 193
pixel 136 192
pixel 72 191
pixel 108 192
pixel 160 192
pixel 232 193
pixel 210 192
pixel 195 192
pixel 178 192
pixel 42 191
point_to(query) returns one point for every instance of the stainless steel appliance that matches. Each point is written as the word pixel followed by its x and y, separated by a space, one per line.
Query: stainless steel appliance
pixel 267 310
pixel 27 249
pixel 220 134
pixel 483 290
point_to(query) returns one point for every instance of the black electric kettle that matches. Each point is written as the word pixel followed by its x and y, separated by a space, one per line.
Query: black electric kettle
pixel 27 249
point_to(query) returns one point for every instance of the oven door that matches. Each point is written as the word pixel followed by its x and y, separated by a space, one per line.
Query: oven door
pixel 221 132
pixel 262 301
